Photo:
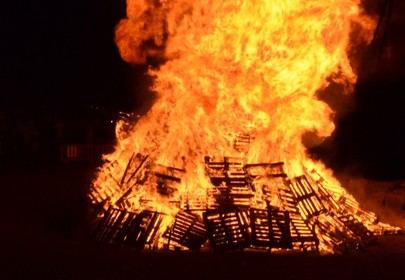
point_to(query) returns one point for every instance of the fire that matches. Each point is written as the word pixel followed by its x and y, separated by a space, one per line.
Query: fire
pixel 240 80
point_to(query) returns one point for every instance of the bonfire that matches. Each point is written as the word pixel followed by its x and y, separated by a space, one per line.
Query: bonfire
pixel 218 161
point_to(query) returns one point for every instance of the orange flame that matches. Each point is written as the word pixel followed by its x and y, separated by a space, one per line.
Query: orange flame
pixel 238 66
pixel 232 67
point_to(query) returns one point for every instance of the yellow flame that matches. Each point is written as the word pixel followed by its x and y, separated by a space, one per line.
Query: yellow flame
pixel 237 66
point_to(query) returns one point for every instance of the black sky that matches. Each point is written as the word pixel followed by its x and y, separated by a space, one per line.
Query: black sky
pixel 62 55
pixel 59 56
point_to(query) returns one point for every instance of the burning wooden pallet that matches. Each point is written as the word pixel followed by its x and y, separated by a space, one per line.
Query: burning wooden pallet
pixel 162 179
pixel 230 171
pixel 115 226
pixel 135 174
pixel 231 184
pixel 144 230
pixel 248 206
pixel 120 227
pixel 188 230
pixel 270 228
pixel 302 232
pixel 197 204
pixel 260 224
pixel 227 230
pixel 306 199
pixel 226 196
pixel 276 184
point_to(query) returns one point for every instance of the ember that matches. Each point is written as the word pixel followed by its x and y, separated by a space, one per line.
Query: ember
pixel 218 161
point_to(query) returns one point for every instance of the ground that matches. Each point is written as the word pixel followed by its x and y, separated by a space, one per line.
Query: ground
pixel 44 236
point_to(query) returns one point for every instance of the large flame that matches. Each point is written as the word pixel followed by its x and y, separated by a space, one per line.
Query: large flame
pixel 233 67
pixel 237 66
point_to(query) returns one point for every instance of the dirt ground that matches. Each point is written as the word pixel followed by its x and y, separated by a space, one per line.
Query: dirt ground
pixel 43 236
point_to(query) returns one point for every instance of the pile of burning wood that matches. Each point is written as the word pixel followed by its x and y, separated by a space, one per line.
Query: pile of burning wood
pixel 248 207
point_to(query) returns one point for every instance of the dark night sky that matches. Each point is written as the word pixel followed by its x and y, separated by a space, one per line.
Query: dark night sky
pixel 60 57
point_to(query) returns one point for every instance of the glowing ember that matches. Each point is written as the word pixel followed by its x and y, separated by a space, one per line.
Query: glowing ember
pixel 240 80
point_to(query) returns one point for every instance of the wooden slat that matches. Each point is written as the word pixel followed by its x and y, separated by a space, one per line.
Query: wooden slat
pixel 188 230
pixel 227 230
pixel 307 200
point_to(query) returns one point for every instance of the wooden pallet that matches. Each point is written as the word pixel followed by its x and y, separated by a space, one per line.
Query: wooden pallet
pixel 144 230
pixel 306 208
pixel 98 195
pixel 232 187
pixel 228 197
pixel 307 200
pixel 188 230
pixel 303 235
pixel 114 227
pixel 135 173
pixel 302 232
pixel 135 230
pixel 227 230
pixel 280 229
pixel 229 171
pixel 260 225
pixel 270 228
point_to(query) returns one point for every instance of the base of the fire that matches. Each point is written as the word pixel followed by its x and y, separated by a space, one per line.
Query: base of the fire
pixel 295 214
